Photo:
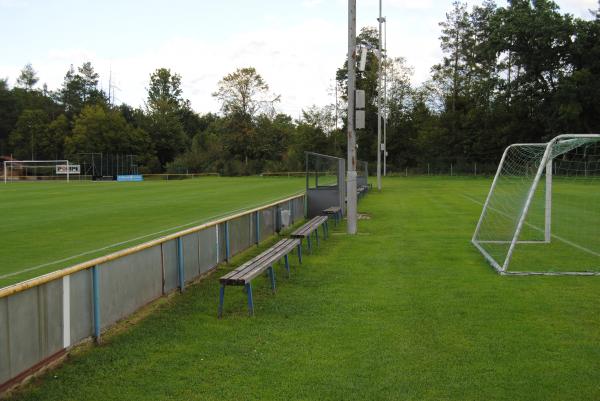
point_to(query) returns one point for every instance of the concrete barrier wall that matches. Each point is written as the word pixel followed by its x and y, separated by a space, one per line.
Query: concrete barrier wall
pixel 44 317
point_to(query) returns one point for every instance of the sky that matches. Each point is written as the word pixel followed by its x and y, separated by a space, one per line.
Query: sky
pixel 296 45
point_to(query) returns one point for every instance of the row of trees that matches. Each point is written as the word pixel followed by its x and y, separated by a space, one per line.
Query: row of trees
pixel 166 134
pixel 521 72
pixel 77 118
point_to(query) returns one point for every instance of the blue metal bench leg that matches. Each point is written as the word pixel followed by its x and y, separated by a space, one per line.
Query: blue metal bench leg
pixel 272 275
pixel 221 300
pixel 250 300
pixel 325 230
pixel 309 244
pixel 317 236
pixel 287 265
pixel 300 253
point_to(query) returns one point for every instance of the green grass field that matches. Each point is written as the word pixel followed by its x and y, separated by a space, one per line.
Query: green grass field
pixel 47 222
pixel 406 310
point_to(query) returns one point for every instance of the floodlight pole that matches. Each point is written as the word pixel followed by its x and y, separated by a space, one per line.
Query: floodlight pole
pixel 351 174
pixel 380 20
pixel 386 111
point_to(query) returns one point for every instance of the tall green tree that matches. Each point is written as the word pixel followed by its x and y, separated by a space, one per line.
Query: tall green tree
pixel 244 96
pixel 164 92
pixel 80 89
pixel 27 78
pixel 58 131
pixel 8 114
pixel 29 139
pixel 163 104
pixel 244 92
pixel 70 95
pixel 98 129
pixel 456 40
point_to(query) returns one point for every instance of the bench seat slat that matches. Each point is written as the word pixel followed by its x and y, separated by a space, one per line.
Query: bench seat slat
pixel 275 248
pixel 254 267
pixel 261 258
pixel 309 227
pixel 259 263
pixel 250 274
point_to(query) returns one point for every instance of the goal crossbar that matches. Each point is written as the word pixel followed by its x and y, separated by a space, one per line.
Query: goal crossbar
pixel 8 164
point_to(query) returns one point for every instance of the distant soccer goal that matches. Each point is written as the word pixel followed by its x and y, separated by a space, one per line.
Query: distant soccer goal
pixel 542 213
pixel 36 170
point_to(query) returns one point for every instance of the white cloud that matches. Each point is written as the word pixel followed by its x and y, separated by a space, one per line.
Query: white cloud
pixel 297 61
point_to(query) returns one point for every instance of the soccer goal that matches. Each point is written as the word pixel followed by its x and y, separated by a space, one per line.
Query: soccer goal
pixel 542 213
pixel 36 170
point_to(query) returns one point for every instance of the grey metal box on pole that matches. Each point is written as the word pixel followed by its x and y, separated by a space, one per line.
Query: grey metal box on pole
pixel 360 99
pixel 360 119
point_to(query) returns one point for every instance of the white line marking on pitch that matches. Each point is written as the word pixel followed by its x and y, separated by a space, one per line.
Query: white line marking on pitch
pixel 564 240
pixel 107 247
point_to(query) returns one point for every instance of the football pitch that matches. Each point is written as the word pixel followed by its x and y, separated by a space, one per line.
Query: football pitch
pixel 407 309
pixel 51 225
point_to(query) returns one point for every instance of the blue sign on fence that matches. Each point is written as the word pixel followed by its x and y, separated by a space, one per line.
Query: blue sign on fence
pixel 130 178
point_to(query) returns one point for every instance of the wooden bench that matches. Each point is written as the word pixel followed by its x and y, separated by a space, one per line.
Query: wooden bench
pixel 243 275
pixel 312 226
pixel 362 190
pixel 334 211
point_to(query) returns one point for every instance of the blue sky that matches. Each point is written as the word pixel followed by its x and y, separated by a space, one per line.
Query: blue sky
pixel 295 44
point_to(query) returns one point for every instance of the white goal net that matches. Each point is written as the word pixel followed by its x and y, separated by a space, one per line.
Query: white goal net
pixel 542 213
pixel 36 170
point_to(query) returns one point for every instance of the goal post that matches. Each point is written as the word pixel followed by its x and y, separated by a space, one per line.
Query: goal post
pixel 38 170
pixel 542 212
pixel 548 206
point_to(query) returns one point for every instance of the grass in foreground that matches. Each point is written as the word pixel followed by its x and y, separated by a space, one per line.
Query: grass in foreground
pixel 407 309
pixel 47 222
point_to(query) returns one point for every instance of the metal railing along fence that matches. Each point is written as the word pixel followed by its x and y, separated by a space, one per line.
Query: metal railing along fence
pixel 42 318
pixel 445 169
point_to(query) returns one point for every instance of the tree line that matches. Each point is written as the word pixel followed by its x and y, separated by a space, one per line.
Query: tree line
pixel 248 137
pixel 517 73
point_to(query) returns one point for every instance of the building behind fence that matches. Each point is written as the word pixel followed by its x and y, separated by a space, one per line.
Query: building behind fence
pixel 40 319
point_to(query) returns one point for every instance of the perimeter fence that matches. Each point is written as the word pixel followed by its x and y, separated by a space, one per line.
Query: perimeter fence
pixel 444 169
pixel 42 318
